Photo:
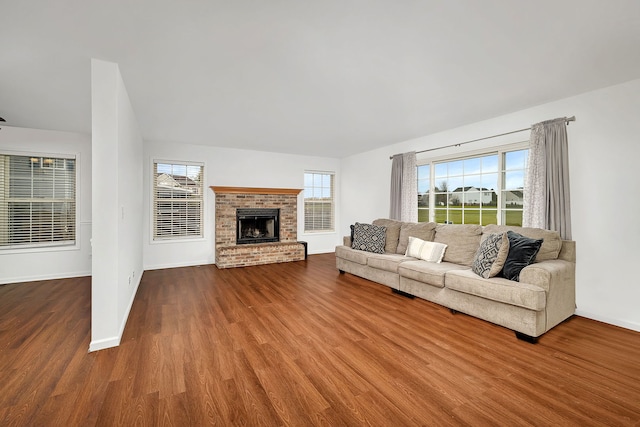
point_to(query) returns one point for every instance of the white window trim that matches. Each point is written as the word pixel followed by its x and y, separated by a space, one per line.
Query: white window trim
pixel 178 239
pixel 334 201
pixel 499 150
pixel 51 247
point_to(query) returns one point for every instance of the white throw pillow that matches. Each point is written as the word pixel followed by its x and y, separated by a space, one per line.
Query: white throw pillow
pixel 428 251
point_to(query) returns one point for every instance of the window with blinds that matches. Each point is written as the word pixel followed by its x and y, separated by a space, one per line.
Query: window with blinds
pixel 37 201
pixel 177 200
pixel 319 203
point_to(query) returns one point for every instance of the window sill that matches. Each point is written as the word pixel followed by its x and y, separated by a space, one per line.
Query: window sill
pixel 40 249
pixel 178 240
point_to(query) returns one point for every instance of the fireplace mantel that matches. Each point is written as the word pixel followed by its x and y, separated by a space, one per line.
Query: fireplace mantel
pixel 254 190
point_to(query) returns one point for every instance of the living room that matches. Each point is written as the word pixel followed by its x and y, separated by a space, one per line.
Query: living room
pixel 115 155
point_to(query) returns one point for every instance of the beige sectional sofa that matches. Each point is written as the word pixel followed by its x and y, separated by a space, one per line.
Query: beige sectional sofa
pixel 543 297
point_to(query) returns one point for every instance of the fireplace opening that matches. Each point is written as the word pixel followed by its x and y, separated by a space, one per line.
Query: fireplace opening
pixel 257 225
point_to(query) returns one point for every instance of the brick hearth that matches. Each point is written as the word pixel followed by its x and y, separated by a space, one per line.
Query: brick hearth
pixel 228 199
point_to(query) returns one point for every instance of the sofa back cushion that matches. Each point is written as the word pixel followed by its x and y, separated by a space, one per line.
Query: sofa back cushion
pixel 421 230
pixel 462 240
pixel 551 241
pixel 392 234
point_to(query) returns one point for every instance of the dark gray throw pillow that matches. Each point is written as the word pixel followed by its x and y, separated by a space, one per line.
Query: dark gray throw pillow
pixel 522 252
pixel 369 237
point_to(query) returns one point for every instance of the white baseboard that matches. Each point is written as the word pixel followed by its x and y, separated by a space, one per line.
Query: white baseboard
pixel 322 251
pixel 176 265
pixel 115 341
pixel 612 321
pixel 104 343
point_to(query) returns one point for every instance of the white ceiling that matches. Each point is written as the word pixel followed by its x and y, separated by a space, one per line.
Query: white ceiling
pixel 328 77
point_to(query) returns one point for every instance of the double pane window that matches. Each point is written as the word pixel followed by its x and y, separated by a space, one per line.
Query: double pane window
pixel 37 201
pixel 319 201
pixel 177 200
pixel 481 189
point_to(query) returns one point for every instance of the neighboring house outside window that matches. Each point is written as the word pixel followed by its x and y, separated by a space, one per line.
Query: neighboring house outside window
pixel 319 202
pixel 37 201
pixel 484 188
pixel 177 200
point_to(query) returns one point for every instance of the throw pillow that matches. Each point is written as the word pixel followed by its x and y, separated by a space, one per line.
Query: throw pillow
pixel 522 252
pixel 369 237
pixel 491 255
pixel 392 235
pixel 421 230
pixel 428 251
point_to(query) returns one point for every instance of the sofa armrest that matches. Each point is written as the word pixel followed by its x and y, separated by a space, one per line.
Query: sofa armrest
pixel 346 240
pixel 558 278
pixel 546 274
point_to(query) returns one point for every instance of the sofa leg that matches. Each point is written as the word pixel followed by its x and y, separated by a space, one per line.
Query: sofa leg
pixel 525 337
pixel 452 311
pixel 403 293
pixel 341 271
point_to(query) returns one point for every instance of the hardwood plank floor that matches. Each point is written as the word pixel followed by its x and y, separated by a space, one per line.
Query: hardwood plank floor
pixel 299 344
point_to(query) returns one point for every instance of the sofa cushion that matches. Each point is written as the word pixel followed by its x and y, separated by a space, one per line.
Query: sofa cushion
pixel 369 237
pixel 387 262
pixel 491 255
pixel 392 234
pixel 353 255
pixel 462 242
pixel 427 272
pixel 428 251
pixel 497 289
pixel 551 244
pixel 421 230
pixel 522 252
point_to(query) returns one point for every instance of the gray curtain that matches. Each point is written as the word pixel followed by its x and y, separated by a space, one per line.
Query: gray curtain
pixel 396 188
pixel 547 203
pixel 404 188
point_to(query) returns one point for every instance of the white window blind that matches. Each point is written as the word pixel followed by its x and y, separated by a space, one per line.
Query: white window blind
pixel 177 200
pixel 37 201
pixel 319 203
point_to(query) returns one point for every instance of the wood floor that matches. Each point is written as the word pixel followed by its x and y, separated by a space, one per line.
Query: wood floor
pixel 299 344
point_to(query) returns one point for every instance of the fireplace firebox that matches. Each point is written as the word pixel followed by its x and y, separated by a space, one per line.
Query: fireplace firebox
pixel 257 225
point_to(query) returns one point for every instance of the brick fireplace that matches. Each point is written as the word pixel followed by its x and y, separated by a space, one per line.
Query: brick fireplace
pixel 229 200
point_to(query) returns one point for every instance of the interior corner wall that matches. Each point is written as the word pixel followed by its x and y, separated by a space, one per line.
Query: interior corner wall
pixel 233 168
pixel 116 205
pixel 602 163
pixel 27 265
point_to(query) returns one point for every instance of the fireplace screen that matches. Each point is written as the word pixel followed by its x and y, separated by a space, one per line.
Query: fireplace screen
pixel 257 226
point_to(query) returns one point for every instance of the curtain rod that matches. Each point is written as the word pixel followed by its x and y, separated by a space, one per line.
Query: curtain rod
pixel 567 120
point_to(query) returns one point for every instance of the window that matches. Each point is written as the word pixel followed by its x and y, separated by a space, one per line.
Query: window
pixel 486 188
pixel 177 200
pixel 319 201
pixel 513 173
pixel 37 201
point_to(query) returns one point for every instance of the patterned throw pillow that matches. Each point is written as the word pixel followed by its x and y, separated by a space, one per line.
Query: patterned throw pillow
pixel 369 237
pixel 428 251
pixel 491 255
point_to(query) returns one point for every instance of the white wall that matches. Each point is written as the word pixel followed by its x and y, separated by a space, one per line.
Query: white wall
pixel 116 205
pixel 233 168
pixel 52 263
pixel 603 165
